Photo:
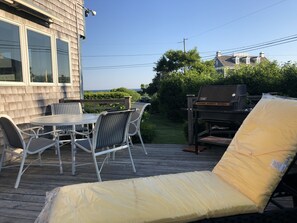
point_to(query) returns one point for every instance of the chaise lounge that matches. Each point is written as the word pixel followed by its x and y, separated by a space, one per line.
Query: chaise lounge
pixel 242 182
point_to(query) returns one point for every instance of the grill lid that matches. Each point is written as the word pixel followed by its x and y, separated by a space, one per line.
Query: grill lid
pixel 226 96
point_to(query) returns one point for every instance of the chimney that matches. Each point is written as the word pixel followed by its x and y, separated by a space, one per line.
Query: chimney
pixel 218 54
pixel 261 54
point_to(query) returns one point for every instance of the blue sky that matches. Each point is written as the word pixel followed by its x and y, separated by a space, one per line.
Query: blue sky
pixel 126 37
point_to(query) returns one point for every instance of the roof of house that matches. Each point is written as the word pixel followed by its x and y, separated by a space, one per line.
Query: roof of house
pixel 230 61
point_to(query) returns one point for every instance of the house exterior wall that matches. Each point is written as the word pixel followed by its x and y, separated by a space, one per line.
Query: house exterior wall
pixel 26 100
pixel 223 63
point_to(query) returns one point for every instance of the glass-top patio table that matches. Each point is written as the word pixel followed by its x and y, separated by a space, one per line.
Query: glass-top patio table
pixel 67 120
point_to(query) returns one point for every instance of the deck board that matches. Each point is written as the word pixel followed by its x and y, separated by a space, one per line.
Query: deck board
pixel 24 204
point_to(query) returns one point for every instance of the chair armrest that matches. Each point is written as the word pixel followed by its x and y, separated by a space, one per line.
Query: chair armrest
pixel 73 132
pixel 34 130
pixel 36 133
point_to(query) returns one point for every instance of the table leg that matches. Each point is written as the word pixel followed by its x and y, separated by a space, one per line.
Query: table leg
pixel 73 152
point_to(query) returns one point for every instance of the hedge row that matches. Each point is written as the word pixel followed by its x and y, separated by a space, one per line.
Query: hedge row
pixel 104 95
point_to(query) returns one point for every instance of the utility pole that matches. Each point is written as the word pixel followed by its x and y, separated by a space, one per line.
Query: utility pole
pixel 184 42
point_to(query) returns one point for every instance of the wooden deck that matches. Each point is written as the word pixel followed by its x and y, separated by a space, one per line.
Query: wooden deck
pixel 23 205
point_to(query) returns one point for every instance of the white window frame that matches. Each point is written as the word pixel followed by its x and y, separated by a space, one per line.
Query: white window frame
pixel 28 62
pixel 24 54
pixel 56 62
pixel 23 60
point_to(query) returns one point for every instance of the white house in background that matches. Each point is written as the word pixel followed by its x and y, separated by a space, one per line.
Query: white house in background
pixel 225 62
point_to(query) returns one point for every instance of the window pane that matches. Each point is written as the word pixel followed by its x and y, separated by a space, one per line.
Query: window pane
pixel 10 53
pixel 40 57
pixel 63 61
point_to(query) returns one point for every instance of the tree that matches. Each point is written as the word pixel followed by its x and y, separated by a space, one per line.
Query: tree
pixel 262 78
pixel 178 62
pixel 289 83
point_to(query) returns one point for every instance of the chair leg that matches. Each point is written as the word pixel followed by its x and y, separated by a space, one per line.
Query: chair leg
pixel 3 157
pixel 57 150
pixel 113 154
pixel 97 168
pixel 130 154
pixel 20 170
pixel 130 141
pixel 39 159
pixel 73 153
pixel 142 142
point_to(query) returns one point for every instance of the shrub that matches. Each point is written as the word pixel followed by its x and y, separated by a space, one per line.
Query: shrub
pixel 147 130
pixel 148 133
pixel 135 95
pixel 104 95
pixel 97 108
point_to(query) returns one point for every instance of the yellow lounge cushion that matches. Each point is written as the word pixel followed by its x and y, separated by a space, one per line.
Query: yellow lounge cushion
pixel 167 198
pixel 261 150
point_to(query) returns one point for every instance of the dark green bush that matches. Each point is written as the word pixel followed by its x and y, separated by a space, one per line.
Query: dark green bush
pixel 154 108
pixel 289 83
pixel 148 133
pixel 147 130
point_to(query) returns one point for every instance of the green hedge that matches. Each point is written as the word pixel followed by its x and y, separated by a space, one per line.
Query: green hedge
pixel 97 108
pixel 104 95
pixel 135 96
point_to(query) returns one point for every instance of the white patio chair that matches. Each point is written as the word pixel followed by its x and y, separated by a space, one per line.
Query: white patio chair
pixel 109 135
pixel 135 122
pixel 71 108
pixel 13 139
pixel 66 108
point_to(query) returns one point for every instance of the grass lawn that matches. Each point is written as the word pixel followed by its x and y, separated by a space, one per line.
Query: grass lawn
pixel 167 132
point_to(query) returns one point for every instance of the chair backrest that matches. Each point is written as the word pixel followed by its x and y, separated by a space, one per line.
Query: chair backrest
pixel 262 149
pixel 73 108
pixel 11 133
pixel 136 116
pixel 111 128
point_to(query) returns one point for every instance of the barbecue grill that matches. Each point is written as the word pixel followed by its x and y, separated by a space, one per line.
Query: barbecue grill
pixel 222 108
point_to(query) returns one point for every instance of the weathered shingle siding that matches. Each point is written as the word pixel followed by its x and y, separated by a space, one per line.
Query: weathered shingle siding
pixel 25 101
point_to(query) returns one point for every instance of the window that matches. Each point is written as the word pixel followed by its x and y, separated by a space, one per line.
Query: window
pixel 40 57
pixel 29 56
pixel 10 53
pixel 63 61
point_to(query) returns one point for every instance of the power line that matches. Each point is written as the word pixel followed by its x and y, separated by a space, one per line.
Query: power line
pixel 279 40
pixel 119 66
pixel 276 42
pixel 271 43
pixel 238 18
pixel 124 55
pixel 190 37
